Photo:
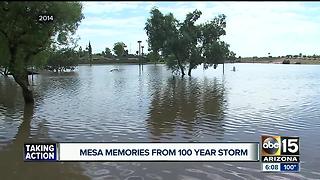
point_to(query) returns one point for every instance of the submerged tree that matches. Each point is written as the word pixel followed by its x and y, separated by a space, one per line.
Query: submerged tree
pixel 185 44
pixel 27 29
pixel 63 59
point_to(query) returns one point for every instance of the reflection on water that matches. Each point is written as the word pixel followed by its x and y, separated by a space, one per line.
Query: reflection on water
pixel 11 157
pixel 188 109
pixel 94 104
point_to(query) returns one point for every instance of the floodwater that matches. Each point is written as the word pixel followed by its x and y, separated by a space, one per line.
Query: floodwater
pixel 93 104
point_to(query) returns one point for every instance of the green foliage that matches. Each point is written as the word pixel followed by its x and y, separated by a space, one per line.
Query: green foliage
pixel 4 52
pixel 107 52
pixel 215 53
pixel 89 52
pixel 155 30
pixel 153 56
pixel 39 60
pixel 90 49
pixel 232 56
pixel 118 49
pixel 81 53
pixel 172 64
pixel 63 59
pixel 27 37
pixel 190 44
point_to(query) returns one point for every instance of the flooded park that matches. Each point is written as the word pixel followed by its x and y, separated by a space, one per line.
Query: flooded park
pixel 95 104
pixel 159 72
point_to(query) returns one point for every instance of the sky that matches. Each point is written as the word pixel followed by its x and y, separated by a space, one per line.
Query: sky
pixel 253 28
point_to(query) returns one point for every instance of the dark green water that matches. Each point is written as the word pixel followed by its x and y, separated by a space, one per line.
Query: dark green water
pixel 93 104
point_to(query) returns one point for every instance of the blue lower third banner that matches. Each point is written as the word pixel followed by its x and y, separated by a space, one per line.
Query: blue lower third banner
pixel 142 152
pixel 40 152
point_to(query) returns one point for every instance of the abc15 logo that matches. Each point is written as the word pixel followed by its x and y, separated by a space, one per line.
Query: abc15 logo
pixel 279 145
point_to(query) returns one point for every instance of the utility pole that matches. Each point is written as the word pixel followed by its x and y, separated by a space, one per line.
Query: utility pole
pixel 139 52
pixel 142 54
pixel 142 49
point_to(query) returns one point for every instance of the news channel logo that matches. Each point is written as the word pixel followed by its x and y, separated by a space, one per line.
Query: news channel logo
pixel 279 145
pixel 280 153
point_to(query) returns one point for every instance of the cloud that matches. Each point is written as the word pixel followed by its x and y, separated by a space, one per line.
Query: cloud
pixel 111 7
pixel 256 28
pixel 131 22
pixel 269 29
pixel 253 28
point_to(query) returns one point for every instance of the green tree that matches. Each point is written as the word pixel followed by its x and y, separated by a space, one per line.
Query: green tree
pixel 163 38
pixel 25 37
pixel 118 48
pixel 185 44
pixel 107 52
pixel 63 59
pixel 81 52
pixel 90 53
pixel 232 56
pixel 153 57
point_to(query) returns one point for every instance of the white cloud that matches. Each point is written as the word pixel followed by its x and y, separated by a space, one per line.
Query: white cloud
pixel 110 7
pixel 275 28
pixel 253 28
pixel 131 22
pixel 88 32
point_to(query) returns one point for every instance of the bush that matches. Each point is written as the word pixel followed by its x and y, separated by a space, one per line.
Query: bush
pixel 63 59
pixel 286 62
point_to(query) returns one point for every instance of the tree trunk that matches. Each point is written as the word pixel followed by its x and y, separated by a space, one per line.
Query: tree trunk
pixel 189 72
pixel 181 68
pixel 179 64
pixel 22 80
pixel 190 69
pixel 20 76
